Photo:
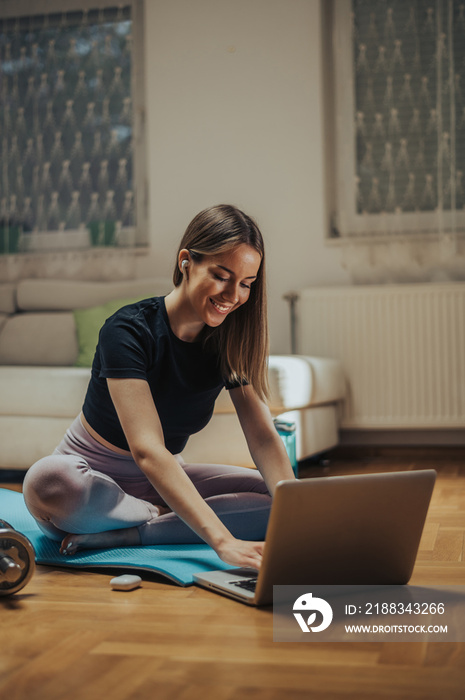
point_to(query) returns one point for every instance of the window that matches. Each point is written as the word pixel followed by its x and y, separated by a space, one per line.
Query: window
pixel 72 171
pixel 399 105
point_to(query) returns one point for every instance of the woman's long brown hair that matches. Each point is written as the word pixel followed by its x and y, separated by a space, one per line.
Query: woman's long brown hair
pixel 242 339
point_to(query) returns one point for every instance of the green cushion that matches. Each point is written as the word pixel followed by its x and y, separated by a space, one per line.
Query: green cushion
pixel 88 325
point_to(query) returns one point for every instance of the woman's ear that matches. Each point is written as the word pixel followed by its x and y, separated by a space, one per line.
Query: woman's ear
pixel 184 260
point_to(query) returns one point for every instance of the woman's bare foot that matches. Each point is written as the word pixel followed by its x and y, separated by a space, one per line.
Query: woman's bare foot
pixel 127 537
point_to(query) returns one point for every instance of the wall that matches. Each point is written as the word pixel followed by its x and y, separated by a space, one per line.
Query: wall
pixel 234 114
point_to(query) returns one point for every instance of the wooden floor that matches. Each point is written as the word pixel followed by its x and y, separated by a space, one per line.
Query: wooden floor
pixel 67 635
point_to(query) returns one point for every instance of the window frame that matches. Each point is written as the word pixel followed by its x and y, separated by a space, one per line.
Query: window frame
pixel 346 224
pixel 19 8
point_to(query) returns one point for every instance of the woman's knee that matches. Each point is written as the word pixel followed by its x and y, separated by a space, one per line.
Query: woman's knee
pixel 213 479
pixel 249 481
pixel 53 481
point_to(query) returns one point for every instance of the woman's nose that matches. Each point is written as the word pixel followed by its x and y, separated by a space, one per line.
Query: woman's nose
pixel 232 292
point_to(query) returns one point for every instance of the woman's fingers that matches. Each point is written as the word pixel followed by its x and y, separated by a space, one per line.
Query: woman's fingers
pixel 242 553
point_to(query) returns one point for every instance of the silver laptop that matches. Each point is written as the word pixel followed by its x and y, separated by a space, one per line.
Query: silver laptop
pixel 363 529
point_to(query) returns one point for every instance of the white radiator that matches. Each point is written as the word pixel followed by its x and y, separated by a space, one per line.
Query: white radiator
pixel 402 348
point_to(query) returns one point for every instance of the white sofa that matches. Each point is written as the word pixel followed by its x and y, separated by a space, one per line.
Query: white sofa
pixel 41 391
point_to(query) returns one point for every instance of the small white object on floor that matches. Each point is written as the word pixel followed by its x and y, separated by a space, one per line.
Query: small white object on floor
pixel 126 582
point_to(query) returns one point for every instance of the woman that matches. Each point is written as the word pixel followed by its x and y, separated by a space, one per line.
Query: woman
pixel 118 479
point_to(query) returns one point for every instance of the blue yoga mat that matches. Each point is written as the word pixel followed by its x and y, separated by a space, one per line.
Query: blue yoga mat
pixel 176 562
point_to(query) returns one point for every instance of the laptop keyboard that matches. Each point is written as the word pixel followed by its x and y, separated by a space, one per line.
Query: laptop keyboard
pixel 248 583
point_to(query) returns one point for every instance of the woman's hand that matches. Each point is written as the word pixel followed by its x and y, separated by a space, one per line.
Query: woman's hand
pixel 241 553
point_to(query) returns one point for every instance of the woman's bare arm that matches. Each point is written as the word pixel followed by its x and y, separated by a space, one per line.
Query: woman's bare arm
pixel 266 447
pixel 141 424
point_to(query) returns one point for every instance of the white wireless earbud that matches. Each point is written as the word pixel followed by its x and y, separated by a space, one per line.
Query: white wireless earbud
pixel 184 265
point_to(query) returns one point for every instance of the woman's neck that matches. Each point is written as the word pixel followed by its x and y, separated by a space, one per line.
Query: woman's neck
pixel 183 322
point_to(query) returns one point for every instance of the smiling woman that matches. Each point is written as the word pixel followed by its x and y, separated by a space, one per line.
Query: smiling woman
pixel 213 289
pixel 118 477
pixel 224 244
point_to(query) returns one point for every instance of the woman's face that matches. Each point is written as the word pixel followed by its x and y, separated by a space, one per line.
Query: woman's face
pixel 218 284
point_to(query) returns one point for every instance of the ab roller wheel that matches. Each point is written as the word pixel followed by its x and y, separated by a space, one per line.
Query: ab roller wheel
pixel 17 559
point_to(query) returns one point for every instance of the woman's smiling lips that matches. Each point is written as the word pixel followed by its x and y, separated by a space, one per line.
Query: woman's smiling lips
pixel 220 308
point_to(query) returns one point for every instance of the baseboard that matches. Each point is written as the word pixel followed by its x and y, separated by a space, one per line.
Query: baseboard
pixel 12 476
pixel 408 438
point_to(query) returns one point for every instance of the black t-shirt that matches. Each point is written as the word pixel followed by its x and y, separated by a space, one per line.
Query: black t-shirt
pixel 137 342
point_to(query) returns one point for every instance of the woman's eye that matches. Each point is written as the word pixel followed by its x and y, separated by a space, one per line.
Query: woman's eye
pixel 227 279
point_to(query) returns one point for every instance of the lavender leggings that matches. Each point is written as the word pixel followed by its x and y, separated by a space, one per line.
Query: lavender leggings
pixel 84 487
